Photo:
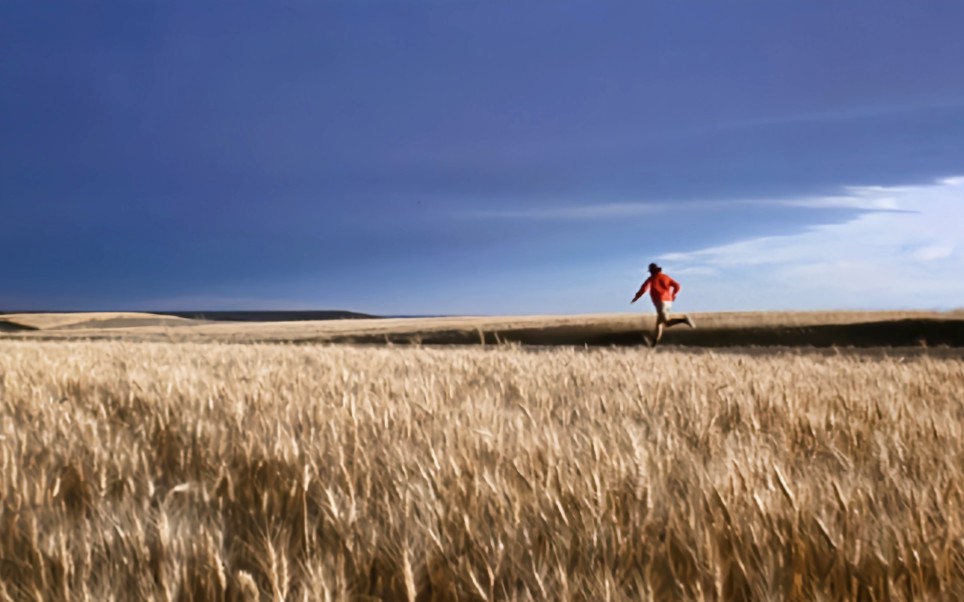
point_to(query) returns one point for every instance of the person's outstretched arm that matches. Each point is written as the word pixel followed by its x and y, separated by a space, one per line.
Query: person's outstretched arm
pixel 675 287
pixel 642 290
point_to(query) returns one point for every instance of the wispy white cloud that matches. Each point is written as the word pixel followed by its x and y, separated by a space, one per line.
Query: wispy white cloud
pixel 910 257
pixel 934 252
pixel 869 198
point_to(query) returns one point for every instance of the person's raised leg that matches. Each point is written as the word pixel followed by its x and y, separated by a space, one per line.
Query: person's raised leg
pixel 684 320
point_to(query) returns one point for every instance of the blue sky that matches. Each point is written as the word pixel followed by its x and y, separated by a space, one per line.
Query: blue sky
pixel 481 157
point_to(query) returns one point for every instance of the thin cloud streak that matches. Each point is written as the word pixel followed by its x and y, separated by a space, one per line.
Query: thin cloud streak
pixel 857 198
pixel 575 212
pixel 848 114
pixel 221 303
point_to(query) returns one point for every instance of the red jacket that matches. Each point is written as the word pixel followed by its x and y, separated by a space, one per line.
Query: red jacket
pixel 661 288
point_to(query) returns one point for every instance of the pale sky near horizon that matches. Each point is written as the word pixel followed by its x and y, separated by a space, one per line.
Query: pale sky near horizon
pixel 463 157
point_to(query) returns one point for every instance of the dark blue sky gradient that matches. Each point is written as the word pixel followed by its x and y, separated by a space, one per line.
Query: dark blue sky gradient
pixel 373 156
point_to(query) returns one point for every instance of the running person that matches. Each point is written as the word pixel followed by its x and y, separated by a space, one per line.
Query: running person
pixel 662 290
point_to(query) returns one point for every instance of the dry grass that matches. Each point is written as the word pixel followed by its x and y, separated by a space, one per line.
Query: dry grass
pixel 145 471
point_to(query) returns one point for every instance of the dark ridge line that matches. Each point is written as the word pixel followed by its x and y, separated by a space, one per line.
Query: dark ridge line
pixel 913 332
pixel 901 333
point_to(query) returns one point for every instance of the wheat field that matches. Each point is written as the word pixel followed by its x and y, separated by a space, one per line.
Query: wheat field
pixel 210 471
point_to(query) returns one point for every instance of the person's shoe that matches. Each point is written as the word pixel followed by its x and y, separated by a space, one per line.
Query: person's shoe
pixel 649 342
pixel 689 322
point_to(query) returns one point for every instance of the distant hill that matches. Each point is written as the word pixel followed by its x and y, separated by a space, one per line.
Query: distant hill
pixel 268 316
pixel 18 321
pixel 85 320
pixel 8 326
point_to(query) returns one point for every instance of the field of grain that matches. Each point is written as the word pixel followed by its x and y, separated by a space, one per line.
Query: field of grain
pixel 206 471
